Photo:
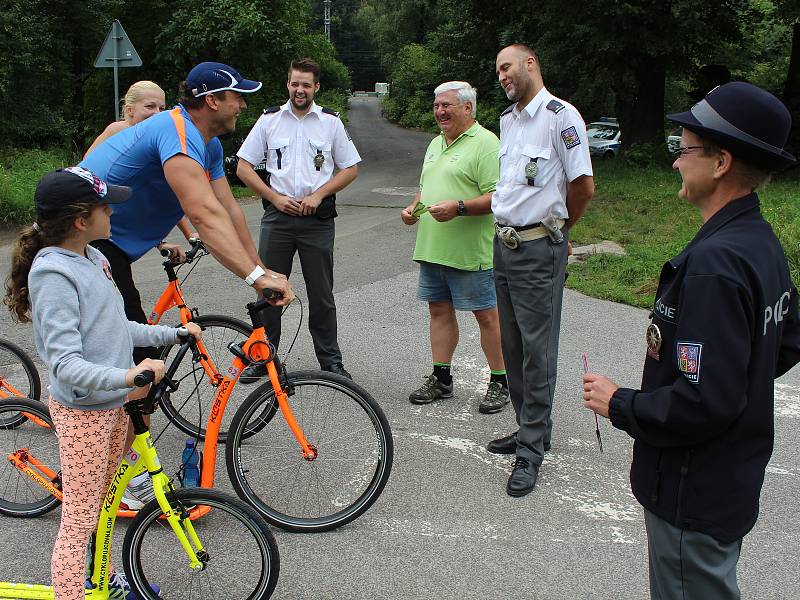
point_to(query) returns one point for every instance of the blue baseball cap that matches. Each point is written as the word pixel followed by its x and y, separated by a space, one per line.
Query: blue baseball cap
pixel 749 122
pixel 210 77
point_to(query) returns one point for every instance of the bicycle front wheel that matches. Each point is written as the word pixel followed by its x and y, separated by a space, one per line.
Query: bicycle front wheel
pixel 354 449
pixel 241 556
pixel 33 446
pixel 18 378
pixel 188 407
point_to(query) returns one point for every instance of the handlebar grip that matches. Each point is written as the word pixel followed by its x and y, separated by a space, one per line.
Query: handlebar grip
pixel 144 378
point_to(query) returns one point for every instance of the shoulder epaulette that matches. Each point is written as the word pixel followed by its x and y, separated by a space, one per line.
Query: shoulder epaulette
pixel 329 111
pixel 271 109
pixel 508 110
pixel 555 106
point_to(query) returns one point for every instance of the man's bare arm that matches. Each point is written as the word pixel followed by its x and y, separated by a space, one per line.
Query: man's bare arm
pixel 579 192
pixel 189 182
pixel 223 193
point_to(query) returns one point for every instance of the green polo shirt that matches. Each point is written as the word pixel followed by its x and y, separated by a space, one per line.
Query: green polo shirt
pixel 466 169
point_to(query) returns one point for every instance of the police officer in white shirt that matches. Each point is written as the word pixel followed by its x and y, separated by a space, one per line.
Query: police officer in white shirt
pixel 301 144
pixel 545 184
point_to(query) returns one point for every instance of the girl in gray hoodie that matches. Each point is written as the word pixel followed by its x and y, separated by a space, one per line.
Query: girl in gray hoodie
pixel 64 286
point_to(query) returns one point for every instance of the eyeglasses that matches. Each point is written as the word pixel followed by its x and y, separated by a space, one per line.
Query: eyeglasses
pixel 681 150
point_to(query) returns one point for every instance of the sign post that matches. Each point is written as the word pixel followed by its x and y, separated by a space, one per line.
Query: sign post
pixel 117 52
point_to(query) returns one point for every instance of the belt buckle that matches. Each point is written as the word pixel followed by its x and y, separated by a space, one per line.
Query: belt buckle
pixel 509 236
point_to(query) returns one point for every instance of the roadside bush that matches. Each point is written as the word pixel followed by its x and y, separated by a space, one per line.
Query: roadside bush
pixel 20 171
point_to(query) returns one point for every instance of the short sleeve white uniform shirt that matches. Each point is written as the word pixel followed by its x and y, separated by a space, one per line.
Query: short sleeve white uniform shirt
pixel 290 147
pixel 556 142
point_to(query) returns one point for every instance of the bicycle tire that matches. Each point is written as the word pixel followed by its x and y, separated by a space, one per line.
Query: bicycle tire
pixel 17 368
pixel 354 444
pixel 190 414
pixel 20 496
pixel 243 559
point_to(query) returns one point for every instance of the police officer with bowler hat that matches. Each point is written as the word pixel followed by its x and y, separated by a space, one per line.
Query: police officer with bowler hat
pixel 724 326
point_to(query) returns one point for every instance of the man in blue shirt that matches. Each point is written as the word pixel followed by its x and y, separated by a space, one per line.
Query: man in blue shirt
pixel 173 162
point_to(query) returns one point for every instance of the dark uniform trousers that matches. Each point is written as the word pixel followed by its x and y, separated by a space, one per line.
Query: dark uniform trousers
pixel 312 238
pixel 530 286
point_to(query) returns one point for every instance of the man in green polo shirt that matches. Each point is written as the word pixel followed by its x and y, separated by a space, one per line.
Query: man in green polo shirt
pixel 454 241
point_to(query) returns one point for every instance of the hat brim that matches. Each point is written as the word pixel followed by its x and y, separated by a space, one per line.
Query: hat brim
pixel 116 194
pixel 247 86
pixel 775 160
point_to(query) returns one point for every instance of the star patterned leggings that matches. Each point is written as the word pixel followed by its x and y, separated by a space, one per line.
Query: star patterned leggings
pixel 90 444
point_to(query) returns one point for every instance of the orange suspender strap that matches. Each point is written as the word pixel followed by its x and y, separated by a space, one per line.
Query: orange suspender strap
pixel 180 125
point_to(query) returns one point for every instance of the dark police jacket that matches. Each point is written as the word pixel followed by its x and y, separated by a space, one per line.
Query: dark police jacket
pixel 727 313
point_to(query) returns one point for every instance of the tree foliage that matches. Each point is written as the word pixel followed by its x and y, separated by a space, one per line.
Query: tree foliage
pixel 54 94
pixel 633 60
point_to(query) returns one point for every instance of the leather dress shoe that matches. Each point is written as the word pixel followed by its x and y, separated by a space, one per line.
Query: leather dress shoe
pixel 503 445
pixel 338 369
pixel 523 478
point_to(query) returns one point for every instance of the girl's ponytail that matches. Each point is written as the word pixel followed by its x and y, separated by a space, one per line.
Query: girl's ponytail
pixel 49 231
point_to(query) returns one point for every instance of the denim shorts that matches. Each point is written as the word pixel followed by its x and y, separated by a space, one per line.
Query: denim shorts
pixel 466 290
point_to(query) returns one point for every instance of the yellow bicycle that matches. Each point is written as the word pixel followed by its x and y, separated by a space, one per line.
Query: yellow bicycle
pixel 193 543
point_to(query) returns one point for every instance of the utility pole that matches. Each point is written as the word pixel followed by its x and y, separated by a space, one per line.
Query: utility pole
pixel 327 18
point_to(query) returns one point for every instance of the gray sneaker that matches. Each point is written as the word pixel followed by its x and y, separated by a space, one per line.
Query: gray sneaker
pixel 495 399
pixel 431 390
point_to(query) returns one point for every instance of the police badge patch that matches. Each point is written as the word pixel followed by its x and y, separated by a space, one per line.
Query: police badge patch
pixel 570 137
pixel 689 360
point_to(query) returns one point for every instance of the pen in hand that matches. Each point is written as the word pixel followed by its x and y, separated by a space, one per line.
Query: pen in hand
pixel 585 361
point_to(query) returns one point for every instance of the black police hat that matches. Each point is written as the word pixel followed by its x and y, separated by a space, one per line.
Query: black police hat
pixel 75 185
pixel 749 122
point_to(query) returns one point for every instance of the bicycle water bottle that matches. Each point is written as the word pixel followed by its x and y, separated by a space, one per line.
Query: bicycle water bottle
pixel 191 465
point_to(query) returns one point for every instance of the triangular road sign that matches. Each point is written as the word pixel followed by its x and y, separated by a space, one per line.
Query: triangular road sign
pixel 117 50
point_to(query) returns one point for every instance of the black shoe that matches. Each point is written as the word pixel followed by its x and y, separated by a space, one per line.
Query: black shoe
pixel 523 478
pixel 338 369
pixel 503 445
pixel 431 390
pixel 547 446
pixel 253 373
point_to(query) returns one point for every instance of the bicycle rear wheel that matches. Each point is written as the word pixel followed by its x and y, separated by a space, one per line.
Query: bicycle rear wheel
pixel 242 555
pixel 350 433
pixel 33 442
pixel 18 378
pixel 189 410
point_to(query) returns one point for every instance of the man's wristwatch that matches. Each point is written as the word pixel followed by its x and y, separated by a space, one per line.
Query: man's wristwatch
pixel 462 208
pixel 255 274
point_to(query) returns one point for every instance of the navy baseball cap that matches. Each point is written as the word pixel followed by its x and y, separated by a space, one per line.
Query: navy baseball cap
pixel 740 117
pixel 74 185
pixel 210 77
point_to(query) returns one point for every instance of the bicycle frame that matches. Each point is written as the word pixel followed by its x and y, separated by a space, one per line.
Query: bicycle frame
pixel 172 297
pixel 7 390
pixel 181 524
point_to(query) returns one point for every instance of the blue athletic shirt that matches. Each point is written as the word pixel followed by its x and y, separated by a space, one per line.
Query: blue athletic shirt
pixel 135 157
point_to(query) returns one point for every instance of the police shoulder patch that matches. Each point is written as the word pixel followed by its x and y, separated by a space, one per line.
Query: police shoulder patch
pixel 570 137
pixel 271 109
pixel 555 106
pixel 329 111
pixel 689 355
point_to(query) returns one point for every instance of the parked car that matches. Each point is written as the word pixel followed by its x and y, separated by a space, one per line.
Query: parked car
pixel 604 138
pixel 674 140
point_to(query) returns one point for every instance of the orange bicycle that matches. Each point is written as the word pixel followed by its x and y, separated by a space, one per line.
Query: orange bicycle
pixel 18 378
pixel 321 465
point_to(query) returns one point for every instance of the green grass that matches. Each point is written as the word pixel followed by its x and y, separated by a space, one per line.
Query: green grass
pixel 640 209
pixel 20 171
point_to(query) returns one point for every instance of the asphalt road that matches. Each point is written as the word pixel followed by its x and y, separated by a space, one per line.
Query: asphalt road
pixel 444 527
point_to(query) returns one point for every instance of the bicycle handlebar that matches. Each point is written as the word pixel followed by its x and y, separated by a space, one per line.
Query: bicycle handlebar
pixel 144 378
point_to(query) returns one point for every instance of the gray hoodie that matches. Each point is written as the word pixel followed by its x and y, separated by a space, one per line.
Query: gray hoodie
pixel 80 328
